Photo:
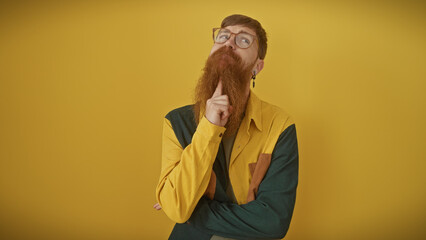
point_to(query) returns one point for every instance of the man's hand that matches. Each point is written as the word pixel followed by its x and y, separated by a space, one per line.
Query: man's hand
pixel 218 109
pixel 157 206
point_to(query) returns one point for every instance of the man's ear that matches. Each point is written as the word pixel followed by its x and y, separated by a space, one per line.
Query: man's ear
pixel 259 66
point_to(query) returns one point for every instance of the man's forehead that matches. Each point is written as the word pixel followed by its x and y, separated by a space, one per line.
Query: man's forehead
pixel 240 28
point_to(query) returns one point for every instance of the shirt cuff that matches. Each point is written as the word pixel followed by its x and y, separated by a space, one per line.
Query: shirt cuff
pixel 210 130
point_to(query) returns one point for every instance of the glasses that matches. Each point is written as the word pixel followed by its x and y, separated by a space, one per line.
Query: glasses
pixel 242 39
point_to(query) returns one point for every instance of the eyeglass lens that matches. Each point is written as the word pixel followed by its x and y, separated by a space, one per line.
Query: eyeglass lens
pixel 242 39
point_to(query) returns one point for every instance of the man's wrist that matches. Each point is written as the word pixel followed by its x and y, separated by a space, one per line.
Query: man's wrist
pixel 210 130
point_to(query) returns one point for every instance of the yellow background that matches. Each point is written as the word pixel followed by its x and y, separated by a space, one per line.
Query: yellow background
pixel 84 87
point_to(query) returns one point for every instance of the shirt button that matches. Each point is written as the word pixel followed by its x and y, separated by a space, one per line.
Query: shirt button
pixel 220 134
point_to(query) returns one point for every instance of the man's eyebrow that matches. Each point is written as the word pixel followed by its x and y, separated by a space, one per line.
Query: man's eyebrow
pixel 242 31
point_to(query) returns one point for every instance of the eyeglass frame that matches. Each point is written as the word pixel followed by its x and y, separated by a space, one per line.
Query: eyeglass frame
pixel 235 39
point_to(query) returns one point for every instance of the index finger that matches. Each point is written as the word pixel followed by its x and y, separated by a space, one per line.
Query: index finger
pixel 218 91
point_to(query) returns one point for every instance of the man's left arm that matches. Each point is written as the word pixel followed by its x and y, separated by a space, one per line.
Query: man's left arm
pixel 269 215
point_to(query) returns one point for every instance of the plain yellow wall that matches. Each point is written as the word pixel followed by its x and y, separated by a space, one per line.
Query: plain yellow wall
pixel 84 87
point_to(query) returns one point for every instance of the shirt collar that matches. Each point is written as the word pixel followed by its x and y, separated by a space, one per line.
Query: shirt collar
pixel 254 110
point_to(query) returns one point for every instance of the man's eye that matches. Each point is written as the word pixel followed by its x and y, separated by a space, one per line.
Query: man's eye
pixel 223 36
pixel 245 40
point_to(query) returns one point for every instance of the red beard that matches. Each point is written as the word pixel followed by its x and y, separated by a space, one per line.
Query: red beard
pixel 224 64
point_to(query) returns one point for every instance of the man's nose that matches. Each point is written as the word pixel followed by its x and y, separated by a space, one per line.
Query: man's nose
pixel 231 42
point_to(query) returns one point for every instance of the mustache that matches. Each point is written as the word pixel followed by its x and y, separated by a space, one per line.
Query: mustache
pixel 225 51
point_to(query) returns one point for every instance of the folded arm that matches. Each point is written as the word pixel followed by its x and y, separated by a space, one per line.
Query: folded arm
pixel 269 215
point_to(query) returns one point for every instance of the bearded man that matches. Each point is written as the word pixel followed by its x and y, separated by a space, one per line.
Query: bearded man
pixel 230 161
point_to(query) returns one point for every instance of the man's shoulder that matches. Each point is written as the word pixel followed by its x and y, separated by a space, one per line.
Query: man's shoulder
pixel 181 112
pixel 276 122
pixel 276 114
pixel 182 117
pixel 183 123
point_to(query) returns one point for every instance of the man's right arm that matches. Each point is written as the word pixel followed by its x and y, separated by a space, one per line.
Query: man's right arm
pixel 185 173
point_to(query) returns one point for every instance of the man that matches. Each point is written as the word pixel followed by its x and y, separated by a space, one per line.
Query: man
pixel 230 161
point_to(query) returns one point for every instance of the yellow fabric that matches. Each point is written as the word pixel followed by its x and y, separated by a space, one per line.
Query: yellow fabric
pixel 185 173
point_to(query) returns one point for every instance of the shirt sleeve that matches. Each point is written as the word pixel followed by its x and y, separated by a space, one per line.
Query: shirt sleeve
pixel 269 215
pixel 185 173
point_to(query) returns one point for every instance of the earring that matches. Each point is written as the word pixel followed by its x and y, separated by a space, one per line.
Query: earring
pixel 253 77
